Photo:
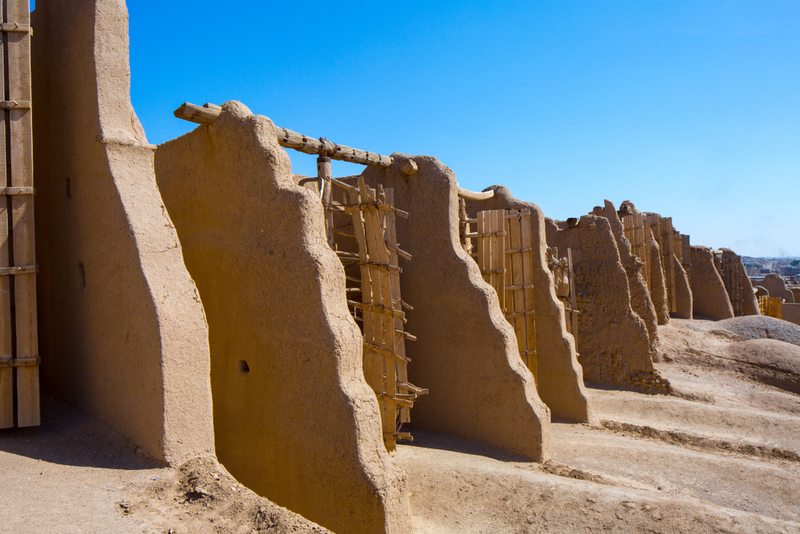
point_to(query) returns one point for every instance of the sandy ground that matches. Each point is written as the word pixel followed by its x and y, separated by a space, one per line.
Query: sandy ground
pixel 721 454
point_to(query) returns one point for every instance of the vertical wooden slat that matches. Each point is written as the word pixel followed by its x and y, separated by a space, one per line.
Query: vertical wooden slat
pixel 382 297
pixel 397 302
pixel 6 373
pixel 21 158
pixel 526 245
pixel 515 298
pixel 573 300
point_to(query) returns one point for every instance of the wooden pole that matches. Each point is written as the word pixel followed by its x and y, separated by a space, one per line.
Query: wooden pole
pixel 472 195
pixel 21 164
pixel 209 114
pixel 325 174
pixel 6 349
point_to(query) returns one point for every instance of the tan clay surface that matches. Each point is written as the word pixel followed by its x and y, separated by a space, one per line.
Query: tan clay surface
pixel 791 313
pixel 295 420
pixel 658 291
pixel 718 456
pixel 749 300
pixel 122 329
pixel 683 293
pixel 560 375
pixel 613 343
pixel 709 298
pixel 466 352
pixel 641 302
pixel 777 287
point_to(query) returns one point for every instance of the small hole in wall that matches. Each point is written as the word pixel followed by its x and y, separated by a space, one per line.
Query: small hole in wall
pixel 81 276
pixel 243 367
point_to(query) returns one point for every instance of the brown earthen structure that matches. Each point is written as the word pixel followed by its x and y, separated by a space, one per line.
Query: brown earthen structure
pixel 199 298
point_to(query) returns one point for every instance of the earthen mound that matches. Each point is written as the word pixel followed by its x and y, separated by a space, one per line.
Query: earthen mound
pixel 761 327
pixel 769 361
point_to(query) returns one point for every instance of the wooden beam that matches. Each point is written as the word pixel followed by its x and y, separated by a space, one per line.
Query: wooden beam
pixel 209 114
pixel 472 195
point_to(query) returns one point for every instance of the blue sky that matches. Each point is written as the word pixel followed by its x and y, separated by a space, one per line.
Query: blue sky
pixel 688 109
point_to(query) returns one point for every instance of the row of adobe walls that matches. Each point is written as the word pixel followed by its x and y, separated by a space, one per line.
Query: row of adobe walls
pixel 189 298
pixel 200 315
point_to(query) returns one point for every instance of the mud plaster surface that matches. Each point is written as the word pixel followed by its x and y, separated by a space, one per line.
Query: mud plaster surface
pixel 560 375
pixel 466 352
pixel 613 343
pixel 710 300
pixel 295 420
pixel 122 330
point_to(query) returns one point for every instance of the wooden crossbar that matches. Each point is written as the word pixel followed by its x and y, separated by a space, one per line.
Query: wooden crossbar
pixel 209 114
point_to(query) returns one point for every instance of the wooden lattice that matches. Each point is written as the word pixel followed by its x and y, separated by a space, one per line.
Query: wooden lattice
pixel 374 273
pixel 771 306
pixel 732 272
pixel 502 246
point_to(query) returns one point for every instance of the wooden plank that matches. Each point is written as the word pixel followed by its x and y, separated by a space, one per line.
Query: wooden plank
pixel 390 236
pixel 526 242
pixel 573 300
pixel 499 255
pixel 6 373
pixel 512 278
pixel 21 158
pixel 381 295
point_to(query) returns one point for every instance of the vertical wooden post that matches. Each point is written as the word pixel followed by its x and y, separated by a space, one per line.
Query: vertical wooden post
pixel 325 174
pixel 6 349
pixel 573 301
pixel 18 63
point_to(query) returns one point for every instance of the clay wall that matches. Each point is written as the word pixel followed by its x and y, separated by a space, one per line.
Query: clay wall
pixel 710 300
pixel 658 289
pixel 294 417
pixel 683 293
pixel 749 300
pixel 560 375
pixel 791 313
pixel 777 287
pixel 641 302
pixel 122 330
pixel 466 352
pixel 613 343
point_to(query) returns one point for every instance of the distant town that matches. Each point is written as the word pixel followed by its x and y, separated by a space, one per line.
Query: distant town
pixel 788 268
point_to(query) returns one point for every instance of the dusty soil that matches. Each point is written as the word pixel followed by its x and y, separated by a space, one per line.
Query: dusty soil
pixel 74 475
pixel 720 454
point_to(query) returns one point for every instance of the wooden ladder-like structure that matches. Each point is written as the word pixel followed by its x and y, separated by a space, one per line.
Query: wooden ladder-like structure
pixel 674 249
pixel 374 273
pixel 371 264
pixel 19 346
pixel 502 245
pixel 731 270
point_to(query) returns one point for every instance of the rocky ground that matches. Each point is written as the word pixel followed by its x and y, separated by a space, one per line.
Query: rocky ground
pixel 721 454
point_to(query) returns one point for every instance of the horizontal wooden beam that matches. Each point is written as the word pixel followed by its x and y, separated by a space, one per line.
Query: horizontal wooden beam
pixel 472 195
pixel 209 113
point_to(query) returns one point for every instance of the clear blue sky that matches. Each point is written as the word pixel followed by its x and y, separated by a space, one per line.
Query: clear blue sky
pixel 689 109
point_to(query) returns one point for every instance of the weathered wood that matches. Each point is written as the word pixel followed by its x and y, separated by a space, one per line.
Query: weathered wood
pixel 409 167
pixel 573 302
pixel 325 175
pixel 209 114
pixel 198 114
pixel 6 325
pixel 473 195
pixel 21 165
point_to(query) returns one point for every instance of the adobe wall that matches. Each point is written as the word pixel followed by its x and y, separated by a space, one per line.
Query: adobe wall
pixel 658 289
pixel 777 287
pixel 791 312
pixel 709 297
pixel 294 417
pixel 749 300
pixel 641 302
pixel 613 343
pixel 466 352
pixel 683 293
pixel 122 330
pixel 560 375
pixel 761 291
